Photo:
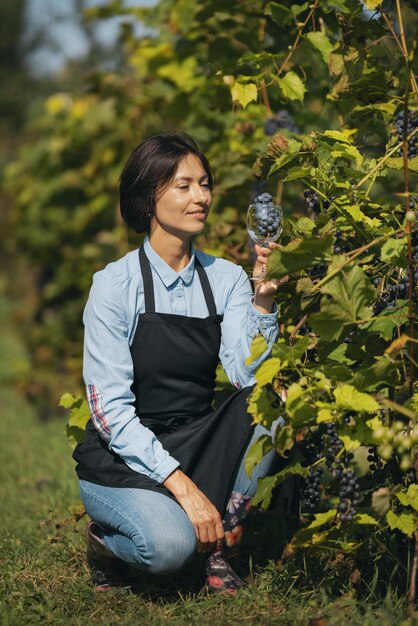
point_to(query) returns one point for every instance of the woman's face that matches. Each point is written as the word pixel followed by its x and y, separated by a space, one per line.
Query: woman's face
pixel 182 208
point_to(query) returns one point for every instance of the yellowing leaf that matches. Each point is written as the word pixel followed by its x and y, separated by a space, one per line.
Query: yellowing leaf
pixel 350 443
pixel 410 498
pixel 244 93
pixel 323 518
pixel 337 135
pixel 358 215
pixel 364 518
pixel 372 4
pixel 267 371
pixel 258 347
pixel 320 41
pixel 324 415
pixel 405 522
pixel 348 398
pixel 292 86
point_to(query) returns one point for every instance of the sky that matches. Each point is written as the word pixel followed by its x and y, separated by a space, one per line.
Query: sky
pixel 58 20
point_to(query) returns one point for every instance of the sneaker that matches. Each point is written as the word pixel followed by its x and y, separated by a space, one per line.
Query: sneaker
pixel 106 570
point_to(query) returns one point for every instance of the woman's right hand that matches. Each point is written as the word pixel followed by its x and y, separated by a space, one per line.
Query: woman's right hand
pixel 202 513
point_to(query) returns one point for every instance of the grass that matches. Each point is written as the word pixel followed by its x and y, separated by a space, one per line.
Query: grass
pixel 44 579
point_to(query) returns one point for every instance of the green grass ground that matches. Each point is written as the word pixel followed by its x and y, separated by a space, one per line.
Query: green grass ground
pixel 43 576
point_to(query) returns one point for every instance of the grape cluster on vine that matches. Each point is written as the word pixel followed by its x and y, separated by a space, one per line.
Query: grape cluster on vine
pixel 282 119
pixel 312 203
pixel 339 466
pixel 411 124
pixel 312 452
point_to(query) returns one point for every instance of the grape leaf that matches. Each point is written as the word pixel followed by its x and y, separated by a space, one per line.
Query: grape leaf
pixel 381 499
pixel 292 86
pixel 244 93
pixel 320 41
pixel 405 522
pixel 394 251
pixel 257 452
pixel 258 347
pixel 410 498
pixel 351 294
pixel 262 405
pixel 299 254
pixel 349 399
pixel 267 371
pixel 266 485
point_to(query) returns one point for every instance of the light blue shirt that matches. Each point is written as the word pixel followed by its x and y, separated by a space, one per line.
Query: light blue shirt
pixel 110 318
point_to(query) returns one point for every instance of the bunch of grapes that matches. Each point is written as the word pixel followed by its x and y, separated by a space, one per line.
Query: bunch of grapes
pixel 267 216
pixel 311 449
pixel 412 122
pixel 313 204
pixel 349 489
pixel 282 119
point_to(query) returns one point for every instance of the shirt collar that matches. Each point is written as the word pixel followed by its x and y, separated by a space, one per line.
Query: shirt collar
pixel 164 271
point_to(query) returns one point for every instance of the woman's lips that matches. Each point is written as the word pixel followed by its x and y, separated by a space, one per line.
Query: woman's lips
pixel 198 214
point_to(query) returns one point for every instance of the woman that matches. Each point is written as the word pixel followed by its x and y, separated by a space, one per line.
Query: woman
pixel 161 473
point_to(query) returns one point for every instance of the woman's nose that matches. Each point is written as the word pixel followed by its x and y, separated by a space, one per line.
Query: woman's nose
pixel 200 194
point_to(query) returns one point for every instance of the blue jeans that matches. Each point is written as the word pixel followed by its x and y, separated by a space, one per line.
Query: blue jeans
pixel 149 529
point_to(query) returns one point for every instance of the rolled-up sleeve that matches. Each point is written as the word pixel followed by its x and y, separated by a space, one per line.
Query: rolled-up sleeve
pixel 241 323
pixel 108 374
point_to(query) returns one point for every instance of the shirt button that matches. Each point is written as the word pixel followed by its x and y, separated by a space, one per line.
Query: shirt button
pixel 179 294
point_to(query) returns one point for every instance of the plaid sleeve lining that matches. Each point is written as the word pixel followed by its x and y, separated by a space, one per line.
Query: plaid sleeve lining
pixel 98 417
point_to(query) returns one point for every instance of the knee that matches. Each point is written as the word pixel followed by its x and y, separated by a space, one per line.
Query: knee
pixel 168 552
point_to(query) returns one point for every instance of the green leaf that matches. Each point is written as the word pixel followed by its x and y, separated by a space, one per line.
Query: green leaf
pixel 244 93
pixel 358 216
pixel 291 354
pixel 299 254
pixel 299 8
pixel 284 439
pixel 381 500
pixel 266 485
pixel 410 498
pixel 320 519
pixel 320 41
pixel 280 14
pixel 347 151
pixel 258 348
pixel 364 518
pixel 267 371
pixel 372 4
pixel 336 134
pixel 394 251
pixel 78 417
pixel 349 399
pixel 398 164
pixel 346 300
pixel 262 405
pixel 292 86
pixel 299 411
pixel 257 452
pixel 68 400
pixel 405 522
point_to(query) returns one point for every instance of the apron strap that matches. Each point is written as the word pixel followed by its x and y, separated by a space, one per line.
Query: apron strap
pixel 147 280
pixel 207 291
pixel 149 285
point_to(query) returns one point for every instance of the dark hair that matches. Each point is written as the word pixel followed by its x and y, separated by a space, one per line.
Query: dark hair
pixel 149 169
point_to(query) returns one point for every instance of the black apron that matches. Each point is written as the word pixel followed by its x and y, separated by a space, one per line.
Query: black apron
pixel 175 359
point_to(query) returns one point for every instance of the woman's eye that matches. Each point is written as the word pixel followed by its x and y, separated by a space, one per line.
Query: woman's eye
pixel 184 187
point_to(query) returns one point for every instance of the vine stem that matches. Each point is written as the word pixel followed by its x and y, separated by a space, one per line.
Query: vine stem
pixel 402 48
pixel 413 578
pixel 354 255
pixel 298 36
pixel 383 160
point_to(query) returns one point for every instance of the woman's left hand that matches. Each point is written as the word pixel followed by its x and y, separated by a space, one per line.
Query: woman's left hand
pixel 265 289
